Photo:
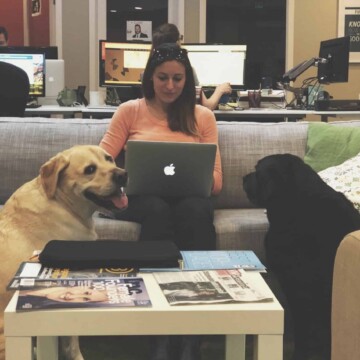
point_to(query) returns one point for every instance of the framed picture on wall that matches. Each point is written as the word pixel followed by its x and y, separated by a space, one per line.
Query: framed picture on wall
pixel 349 24
pixel 138 30
pixel 35 7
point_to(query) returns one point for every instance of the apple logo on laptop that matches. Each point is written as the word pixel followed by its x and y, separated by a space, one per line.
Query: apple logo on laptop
pixel 169 169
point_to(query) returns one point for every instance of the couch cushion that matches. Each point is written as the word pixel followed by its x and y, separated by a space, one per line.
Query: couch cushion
pixel 243 144
pixel 116 229
pixel 27 143
pixel 241 229
pixel 329 145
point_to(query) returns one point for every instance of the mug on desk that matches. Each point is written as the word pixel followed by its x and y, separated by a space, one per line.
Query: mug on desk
pixel 198 91
pixel 96 98
pixel 254 97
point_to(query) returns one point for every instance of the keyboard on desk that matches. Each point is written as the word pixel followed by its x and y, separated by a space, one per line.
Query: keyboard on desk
pixel 337 105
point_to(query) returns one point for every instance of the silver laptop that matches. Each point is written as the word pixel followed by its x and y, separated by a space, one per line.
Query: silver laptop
pixel 54 81
pixel 169 168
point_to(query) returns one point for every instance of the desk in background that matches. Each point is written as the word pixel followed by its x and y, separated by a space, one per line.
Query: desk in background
pixel 99 112
pixel 51 110
pixel 261 114
pixel 276 115
pixel 324 115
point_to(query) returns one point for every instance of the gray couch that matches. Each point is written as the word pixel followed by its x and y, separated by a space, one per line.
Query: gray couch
pixel 26 143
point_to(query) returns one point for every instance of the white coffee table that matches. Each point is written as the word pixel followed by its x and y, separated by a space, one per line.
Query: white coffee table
pixel 264 320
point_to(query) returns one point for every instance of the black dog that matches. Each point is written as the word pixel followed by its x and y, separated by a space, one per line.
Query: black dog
pixel 308 220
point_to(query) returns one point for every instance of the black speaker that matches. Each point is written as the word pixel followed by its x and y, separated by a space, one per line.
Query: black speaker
pixel 112 97
pixel 80 94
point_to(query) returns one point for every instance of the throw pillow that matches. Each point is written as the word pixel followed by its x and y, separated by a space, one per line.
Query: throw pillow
pixel 329 145
pixel 345 178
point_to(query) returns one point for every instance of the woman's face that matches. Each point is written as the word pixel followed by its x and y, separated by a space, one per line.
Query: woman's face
pixel 169 81
pixel 77 294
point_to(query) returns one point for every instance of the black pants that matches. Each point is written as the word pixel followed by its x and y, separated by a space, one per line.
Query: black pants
pixel 189 223
pixel 186 221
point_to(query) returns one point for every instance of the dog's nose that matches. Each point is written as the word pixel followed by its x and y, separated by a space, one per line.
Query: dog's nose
pixel 120 177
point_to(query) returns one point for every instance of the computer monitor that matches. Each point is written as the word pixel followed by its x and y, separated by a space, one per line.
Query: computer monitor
pixel 215 64
pixel 34 66
pixel 335 68
pixel 51 52
pixel 121 64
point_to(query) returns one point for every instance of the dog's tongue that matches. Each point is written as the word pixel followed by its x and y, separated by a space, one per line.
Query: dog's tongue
pixel 120 201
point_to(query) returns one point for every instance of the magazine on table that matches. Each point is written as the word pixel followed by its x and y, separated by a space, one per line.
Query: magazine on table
pixel 216 260
pixel 82 293
pixel 212 286
pixel 35 270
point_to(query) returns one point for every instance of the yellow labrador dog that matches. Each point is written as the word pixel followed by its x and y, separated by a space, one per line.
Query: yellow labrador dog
pixel 58 204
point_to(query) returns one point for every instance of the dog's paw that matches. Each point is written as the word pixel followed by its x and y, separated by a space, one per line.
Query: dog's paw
pixel 70 348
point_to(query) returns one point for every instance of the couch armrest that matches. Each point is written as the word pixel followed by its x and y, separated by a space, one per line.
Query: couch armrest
pixel 346 300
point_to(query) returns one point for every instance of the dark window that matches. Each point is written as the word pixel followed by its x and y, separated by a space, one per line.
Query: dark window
pixel 259 24
pixel 120 11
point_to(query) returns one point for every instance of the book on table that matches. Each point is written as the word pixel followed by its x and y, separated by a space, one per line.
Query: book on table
pixel 215 260
pixel 82 293
pixel 209 286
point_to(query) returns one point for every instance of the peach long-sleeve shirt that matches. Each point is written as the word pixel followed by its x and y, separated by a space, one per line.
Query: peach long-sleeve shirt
pixel 133 121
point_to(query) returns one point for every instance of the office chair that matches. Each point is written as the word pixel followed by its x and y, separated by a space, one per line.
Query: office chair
pixel 14 90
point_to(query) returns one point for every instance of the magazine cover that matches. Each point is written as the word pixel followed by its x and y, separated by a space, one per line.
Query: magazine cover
pixel 82 293
pixel 213 286
pixel 36 271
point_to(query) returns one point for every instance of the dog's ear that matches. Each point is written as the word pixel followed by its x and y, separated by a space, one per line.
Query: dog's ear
pixel 274 178
pixel 50 171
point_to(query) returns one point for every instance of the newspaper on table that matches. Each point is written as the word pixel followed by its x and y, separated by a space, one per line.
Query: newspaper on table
pixel 212 286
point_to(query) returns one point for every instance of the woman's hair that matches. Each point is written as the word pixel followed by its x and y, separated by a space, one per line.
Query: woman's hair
pixel 181 113
pixel 166 33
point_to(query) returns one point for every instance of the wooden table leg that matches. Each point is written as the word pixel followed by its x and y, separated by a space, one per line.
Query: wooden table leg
pixel 235 347
pixel 268 347
pixel 19 348
pixel 47 348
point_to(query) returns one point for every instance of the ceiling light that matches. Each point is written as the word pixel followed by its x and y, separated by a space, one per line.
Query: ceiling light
pixel 138 8
pixel 113 11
